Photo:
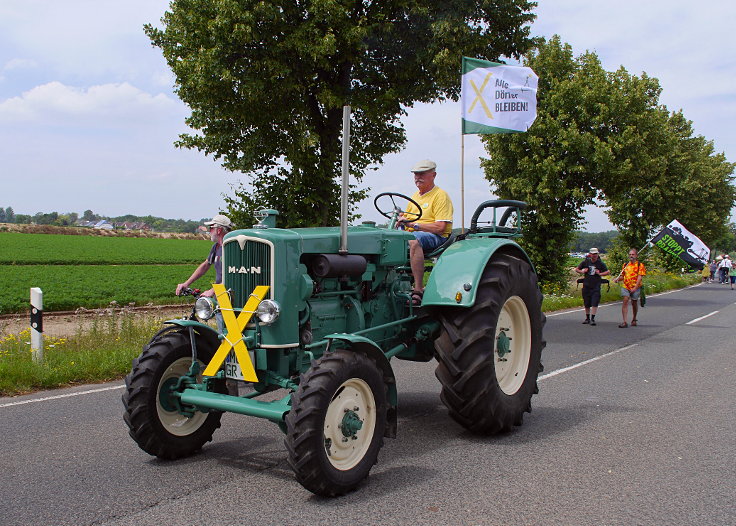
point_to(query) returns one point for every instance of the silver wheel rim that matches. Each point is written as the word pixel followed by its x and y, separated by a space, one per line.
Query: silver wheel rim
pixel 514 331
pixel 355 399
pixel 174 422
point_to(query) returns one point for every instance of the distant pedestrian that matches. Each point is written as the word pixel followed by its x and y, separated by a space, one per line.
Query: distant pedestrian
pixel 732 275
pixel 726 266
pixel 631 275
pixel 713 269
pixel 723 269
pixel 593 268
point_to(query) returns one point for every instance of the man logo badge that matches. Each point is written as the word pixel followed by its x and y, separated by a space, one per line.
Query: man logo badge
pixel 243 270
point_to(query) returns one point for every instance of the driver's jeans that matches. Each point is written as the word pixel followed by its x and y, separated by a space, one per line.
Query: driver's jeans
pixel 428 240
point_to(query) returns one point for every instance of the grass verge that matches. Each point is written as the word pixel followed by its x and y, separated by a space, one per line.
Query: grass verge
pixel 101 353
pixel 105 351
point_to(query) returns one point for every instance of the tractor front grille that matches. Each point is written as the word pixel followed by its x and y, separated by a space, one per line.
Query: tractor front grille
pixel 248 262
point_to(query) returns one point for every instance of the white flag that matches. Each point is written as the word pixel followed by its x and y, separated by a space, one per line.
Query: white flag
pixel 497 98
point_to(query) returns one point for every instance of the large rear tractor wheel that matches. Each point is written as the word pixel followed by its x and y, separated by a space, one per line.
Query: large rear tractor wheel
pixel 151 413
pixel 335 428
pixel 490 354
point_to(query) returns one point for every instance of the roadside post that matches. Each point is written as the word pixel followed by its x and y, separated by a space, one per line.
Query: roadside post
pixel 37 324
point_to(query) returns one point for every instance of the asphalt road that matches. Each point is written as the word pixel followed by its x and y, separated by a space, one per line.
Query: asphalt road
pixel 631 426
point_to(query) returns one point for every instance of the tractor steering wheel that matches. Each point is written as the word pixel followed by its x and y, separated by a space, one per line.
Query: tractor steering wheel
pixel 393 216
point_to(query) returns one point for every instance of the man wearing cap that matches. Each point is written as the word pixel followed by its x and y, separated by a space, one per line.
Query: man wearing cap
pixel 593 268
pixel 435 225
pixel 219 226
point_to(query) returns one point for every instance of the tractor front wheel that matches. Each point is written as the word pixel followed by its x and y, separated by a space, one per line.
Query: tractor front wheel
pixel 490 354
pixel 153 417
pixel 335 428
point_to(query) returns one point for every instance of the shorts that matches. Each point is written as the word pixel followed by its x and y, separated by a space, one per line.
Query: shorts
pixel 733 279
pixel 591 297
pixel 626 293
pixel 428 240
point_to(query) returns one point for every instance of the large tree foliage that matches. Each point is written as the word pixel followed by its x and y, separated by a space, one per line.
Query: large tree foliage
pixel 667 173
pixel 553 166
pixel 604 136
pixel 266 82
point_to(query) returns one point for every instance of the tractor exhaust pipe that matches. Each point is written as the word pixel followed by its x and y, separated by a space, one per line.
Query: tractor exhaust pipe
pixel 345 179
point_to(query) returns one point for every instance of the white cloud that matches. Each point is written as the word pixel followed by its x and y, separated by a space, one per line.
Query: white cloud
pixel 19 63
pixel 83 42
pixel 55 102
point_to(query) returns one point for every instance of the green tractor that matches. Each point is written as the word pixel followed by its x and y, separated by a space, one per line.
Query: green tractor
pixel 309 329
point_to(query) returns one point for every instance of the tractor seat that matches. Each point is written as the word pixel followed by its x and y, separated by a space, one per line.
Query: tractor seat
pixel 440 249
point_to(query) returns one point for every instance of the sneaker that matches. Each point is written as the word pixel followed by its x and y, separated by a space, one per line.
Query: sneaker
pixel 587 321
pixel 592 322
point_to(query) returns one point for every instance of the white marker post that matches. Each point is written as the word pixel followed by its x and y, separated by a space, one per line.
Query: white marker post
pixel 37 324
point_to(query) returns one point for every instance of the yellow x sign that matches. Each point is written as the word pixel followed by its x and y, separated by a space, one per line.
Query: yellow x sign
pixel 235 328
pixel 479 97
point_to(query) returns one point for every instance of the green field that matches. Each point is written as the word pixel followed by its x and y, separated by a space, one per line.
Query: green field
pixel 58 249
pixel 91 272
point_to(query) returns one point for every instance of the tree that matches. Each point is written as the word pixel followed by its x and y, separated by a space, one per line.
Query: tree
pixel 10 215
pixel 266 82
pixel 89 215
pixel 604 136
pixel 725 244
pixel 2 215
pixel 554 165
pixel 666 173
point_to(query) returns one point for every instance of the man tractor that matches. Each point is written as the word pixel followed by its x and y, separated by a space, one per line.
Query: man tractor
pixel 314 325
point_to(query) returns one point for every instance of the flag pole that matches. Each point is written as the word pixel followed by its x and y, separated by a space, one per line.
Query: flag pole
pixel 648 243
pixel 462 180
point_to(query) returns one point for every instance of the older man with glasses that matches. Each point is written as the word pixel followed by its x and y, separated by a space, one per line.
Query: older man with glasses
pixel 219 226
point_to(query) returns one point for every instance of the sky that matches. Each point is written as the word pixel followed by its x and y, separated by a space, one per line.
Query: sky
pixel 88 116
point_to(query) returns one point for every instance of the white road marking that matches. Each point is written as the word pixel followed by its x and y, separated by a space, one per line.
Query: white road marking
pixel 586 362
pixel 696 320
pixel 66 395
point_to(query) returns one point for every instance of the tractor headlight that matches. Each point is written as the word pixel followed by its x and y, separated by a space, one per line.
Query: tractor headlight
pixel 268 312
pixel 204 308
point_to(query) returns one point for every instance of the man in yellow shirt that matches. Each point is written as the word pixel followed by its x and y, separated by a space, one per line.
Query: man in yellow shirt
pixel 435 225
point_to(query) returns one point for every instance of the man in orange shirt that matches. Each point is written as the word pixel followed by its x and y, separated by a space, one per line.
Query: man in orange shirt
pixel 631 275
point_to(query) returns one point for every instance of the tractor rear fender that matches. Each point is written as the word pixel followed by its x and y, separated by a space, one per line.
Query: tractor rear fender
pixel 455 276
pixel 369 348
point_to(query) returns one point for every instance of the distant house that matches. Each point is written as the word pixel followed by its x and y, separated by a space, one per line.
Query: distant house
pixel 127 225
pixel 103 225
